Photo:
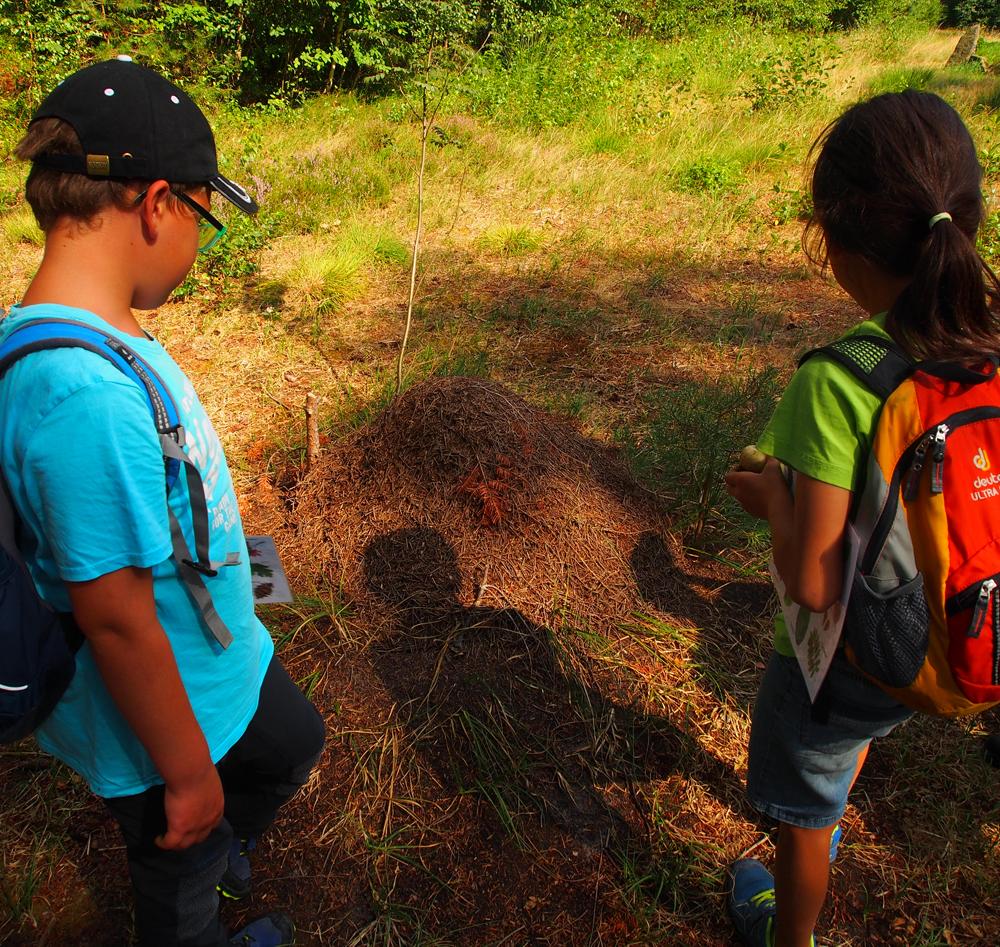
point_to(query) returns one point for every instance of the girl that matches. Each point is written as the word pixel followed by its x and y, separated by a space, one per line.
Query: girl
pixel 897 204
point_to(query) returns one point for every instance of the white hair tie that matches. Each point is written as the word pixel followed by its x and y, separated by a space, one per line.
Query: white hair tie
pixel 936 218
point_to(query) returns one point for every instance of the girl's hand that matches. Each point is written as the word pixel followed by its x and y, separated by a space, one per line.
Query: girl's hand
pixel 758 493
pixel 807 534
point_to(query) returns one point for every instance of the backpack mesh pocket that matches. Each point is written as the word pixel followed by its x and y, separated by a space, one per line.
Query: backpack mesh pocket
pixel 889 633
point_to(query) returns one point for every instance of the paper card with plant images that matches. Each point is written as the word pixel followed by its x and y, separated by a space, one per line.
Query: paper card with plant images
pixel 815 635
pixel 267 575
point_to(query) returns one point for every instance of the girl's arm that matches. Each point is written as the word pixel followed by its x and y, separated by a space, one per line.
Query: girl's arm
pixel 117 614
pixel 807 532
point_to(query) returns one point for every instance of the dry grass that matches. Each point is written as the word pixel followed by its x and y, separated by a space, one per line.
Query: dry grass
pixel 537 701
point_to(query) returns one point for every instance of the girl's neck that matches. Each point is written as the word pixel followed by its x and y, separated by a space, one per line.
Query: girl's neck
pixel 870 287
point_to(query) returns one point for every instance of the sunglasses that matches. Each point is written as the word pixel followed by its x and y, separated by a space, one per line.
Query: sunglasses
pixel 210 230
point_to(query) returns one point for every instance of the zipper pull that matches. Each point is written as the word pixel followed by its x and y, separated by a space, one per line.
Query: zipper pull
pixel 937 471
pixel 916 468
pixel 982 607
pixel 996 640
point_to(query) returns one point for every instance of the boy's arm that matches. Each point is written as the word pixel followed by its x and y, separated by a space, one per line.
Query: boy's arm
pixel 807 533
pixel 117 614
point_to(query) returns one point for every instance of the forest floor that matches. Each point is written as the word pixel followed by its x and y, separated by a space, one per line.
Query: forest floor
pixel 538 709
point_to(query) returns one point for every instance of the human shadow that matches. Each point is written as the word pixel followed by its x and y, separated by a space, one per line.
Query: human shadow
pixel 662 583
pixel 506 710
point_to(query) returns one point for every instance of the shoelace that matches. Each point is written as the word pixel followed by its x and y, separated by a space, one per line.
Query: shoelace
pixel 761 897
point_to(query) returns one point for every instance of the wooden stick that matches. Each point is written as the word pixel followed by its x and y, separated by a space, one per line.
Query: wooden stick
pixel 312 431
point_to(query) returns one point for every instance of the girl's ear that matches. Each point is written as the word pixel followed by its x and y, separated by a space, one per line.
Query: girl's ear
pixel 152 208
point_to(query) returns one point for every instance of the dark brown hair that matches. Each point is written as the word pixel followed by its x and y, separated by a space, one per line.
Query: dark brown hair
pixel 884 169
pixel 54 195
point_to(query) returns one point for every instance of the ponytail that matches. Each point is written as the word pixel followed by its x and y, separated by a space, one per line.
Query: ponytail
pixel 886 169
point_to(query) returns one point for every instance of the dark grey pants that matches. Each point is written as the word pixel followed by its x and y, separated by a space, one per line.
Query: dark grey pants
pixel 176 903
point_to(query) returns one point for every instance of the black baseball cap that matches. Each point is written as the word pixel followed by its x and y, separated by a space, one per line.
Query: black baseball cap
pixel 134 123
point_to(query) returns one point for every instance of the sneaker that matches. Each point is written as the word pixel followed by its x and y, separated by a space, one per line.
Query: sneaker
pixel 235 883
pixel 750 901
pixel 991 747
pixel 275 930
pixel 835 837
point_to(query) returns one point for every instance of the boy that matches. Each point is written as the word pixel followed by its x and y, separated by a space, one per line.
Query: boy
pixel 192 740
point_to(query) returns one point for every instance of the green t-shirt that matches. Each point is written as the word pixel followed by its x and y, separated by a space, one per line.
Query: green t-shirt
pixel 824 427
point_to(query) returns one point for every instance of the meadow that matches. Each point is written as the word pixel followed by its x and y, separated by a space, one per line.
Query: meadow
pixel 611 233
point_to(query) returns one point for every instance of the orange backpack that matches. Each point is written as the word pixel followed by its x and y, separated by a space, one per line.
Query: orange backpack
pixel 923 620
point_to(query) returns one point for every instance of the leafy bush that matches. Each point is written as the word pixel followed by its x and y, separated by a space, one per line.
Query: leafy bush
pixel 688 439
pixel 868 12
pixel 790 204
pixel 989 238
pixel 277 52
pixel 966 12
pixel 707 174
pixel 798 71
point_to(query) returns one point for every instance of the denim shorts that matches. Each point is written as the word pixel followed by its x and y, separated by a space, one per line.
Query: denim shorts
pixel 800 771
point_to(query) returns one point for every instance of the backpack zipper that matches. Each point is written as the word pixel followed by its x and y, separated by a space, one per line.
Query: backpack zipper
pixel 883 525
pixel 916 469
pixel 996 640
pixel 978 597
pixel 937 471
pixel 939 442
pixel 983 599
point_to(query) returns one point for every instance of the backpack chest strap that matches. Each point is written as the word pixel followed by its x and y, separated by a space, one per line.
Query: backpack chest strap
pixel 879 364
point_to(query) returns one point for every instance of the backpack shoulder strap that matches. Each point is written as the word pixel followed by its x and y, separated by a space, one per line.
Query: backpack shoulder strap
pixel 949 371
pixel 8 524
pixel 879 364
pixel 47 334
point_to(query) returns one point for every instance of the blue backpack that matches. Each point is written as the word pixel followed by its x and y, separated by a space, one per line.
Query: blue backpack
pixel 37 644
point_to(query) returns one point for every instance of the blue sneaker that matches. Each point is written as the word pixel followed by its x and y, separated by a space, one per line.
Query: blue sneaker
pixel 275 930
pixel 835 837
pixel 750 902
pixel 235 883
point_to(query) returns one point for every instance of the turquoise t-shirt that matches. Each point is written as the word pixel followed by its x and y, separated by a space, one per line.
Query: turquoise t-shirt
pixel 83 461
pixel 824 427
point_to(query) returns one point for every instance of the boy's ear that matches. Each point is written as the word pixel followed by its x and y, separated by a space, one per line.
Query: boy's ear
pixel 152 208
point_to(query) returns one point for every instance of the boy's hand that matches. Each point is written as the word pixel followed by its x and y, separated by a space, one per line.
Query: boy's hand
pixel 758 493
pixel 193 810
pixel 117 614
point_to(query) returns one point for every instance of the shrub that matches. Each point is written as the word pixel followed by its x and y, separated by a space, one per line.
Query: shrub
pixel 967 12
pixel 800 70
pixel 690 436
pixel 569 56
pixel 707 174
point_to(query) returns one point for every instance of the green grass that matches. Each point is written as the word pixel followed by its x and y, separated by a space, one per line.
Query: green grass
pixel 19 227
pixel 328 277
pixel 510 241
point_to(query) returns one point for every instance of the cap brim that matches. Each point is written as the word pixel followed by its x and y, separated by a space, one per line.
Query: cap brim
pixel 233 193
